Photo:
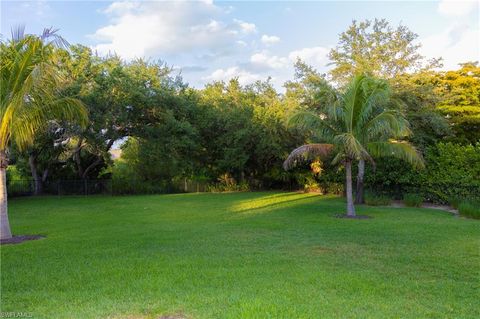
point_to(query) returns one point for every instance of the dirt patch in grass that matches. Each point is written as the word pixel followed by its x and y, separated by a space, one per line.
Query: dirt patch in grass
pixel 353 217
pixel 20 239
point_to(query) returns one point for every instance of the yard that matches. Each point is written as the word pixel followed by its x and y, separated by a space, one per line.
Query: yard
pixel 237 255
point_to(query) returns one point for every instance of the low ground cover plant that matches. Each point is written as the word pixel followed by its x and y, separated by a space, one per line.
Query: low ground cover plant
pixel 470 209
pixel 413 200
pixel 373 199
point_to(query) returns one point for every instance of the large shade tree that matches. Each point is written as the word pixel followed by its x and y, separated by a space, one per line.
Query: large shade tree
pixel 355 128
pixel 29 98
pixel 378 49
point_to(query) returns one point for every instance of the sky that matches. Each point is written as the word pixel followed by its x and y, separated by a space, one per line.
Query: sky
pixel 252 40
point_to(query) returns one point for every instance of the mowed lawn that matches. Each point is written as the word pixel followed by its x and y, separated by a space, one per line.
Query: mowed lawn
pixel 238 255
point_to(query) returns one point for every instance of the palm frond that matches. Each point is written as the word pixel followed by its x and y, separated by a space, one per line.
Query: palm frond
pixel 29 97
pixel 376 94
pixel 51 35
pixel 307 152
pixel 18 32
pixel 309 121
pixel 399 149
pixel 389 123
pixel 352 98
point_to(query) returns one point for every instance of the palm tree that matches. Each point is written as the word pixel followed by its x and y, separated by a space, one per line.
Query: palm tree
pixel 387 141
pixel 356 127
pixel 29 97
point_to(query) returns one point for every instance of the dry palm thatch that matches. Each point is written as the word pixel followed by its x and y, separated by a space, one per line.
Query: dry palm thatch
pixel 306 152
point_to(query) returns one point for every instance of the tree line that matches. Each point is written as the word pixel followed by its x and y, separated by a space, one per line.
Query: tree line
pixel 226 134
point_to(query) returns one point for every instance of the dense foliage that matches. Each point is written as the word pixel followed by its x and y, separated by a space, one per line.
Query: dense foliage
pixel 452 170
pixel 235 137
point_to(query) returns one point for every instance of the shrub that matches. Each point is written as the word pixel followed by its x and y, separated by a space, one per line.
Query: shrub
pixel 219 188
pixel 312 186
pixel 469 209
pixel 454 202
pixel 377 200
pixel 226 183
pixel 334 188
pixel 412 200
pixel 452 170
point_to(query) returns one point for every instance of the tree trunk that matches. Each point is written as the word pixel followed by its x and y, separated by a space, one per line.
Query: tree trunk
pixel 98 161
pixel 76 157
pixel 348 171
pixel 38 190
pixel 5 232
pixel 359 194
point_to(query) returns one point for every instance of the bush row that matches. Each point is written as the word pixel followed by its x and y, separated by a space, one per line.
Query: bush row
pixel 451 170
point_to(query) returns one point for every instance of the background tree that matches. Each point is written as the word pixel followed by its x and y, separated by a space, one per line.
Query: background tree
pixel 460 92
pixel 376 48
pixel 28 98
pixel 309 89
pixel 419 101
pixel 45 155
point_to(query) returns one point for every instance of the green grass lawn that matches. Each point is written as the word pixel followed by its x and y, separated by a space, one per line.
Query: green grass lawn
pixel 238 255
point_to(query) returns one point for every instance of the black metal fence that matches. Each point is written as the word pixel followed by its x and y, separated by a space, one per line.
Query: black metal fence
pixel 436 192
pixel 16 188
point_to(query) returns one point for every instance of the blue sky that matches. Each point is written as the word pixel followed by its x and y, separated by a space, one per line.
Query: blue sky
pixel 250 40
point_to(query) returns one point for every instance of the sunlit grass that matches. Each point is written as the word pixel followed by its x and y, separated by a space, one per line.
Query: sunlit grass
pixel 271 201
pixel 238 255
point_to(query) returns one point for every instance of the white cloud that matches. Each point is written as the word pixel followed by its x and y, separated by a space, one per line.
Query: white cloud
pixel 264 60
pixel 38 9
pixel 459 41
pixel 270 39
pixel 244 77
pixel 121 7
pixel 315 56
pixel 457 44
pixel 457 8
pixel 242 43
pixel 156 28
pixel 245 26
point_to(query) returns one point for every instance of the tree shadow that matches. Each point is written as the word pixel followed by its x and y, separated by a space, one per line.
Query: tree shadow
pixel 276 201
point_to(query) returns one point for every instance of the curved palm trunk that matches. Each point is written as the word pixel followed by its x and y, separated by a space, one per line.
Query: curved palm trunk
pixel 359 194
pixel 348 171
pixel 5 232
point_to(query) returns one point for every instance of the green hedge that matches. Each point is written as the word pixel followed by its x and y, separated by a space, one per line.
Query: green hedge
pixel 452 171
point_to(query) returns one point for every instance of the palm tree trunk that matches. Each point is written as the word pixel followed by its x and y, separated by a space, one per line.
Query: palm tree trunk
pixel 5 232
pixel 348 171
pixel 38 189
pixel 359 194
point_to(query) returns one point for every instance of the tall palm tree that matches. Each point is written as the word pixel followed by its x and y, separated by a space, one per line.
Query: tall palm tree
pixel 29 97
pixel 380 143
pixel 356 127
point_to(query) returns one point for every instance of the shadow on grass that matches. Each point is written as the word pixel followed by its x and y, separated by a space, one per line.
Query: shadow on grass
pixel 276 201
